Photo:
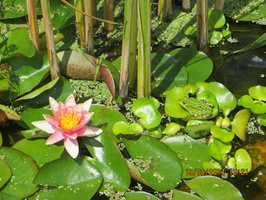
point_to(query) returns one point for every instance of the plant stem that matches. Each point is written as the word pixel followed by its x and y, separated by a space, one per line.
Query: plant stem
pixel 202 20
pixel 90 9
pixel 80 23
pixel 55 73
pixel 144 49
pixel 164 10
pixel 109 15
pixel 219 5
pixel 129 46
pixel 33 26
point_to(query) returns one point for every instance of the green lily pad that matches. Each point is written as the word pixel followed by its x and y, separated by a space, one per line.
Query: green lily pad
pixel 219 149
pixel 216 19
pixel 172 107
pixel 216 37
pixel 6 173
pixel 222 134
pixel 198 65
pixel 122 127
pixel 147 111
pixel 139 196
pixel 166 73
pixel 246 101
pixel 158 164
pixel 192 153
pixel 109 160
pixel 59 89
pixel 27 73
pixel 10 45
pixel 4 196
pixel 239 123
pixel 226 100
pixel 211 187
pixel 258 107
pixel 243 160
pixel 24 170
pixel 258 92
pixel 39 151
pixel 184 195
pixel 73 178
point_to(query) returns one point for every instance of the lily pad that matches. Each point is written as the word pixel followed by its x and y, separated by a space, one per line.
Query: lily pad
pixel 243 160
pixel 211 187
pixel 184 195
pixel 109 160
pixel 166 73
pixel 258 92
pixel 147 111
pixel 39 151
pixel 6 173
pixel 24 170
pixel 139 196
pixel 192 153
pixel 10 45
pixel 158 164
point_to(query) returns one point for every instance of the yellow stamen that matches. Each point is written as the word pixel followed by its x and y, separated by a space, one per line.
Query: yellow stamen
pixel 68 120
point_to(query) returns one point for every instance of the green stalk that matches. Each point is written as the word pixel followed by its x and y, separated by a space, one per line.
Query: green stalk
pixel 55 73
pixel 33 25
pixel 202 20
pixel 90 9
pixel 109 15
pixel 80 23
pixel 219 5
pixel 164 10
pixel 144 49
pixel 129 46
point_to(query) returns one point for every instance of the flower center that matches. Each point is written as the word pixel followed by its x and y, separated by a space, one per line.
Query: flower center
pixel 68 120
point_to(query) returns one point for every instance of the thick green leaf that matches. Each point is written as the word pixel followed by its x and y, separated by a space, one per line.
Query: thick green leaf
pixel 172 107
pixel 24 170
pixel 163 169
pixel 148 113
pixel 222 134
pixel 4 196
pixel 184 195
pixel 198 65
pixel 166 73
pixel 258 92
pixel 109 160
pixel 59 89
pixel 211 187
pixel 226 100
pixel 39 151
pixel 11 45
pixel 216 19
pixel 139 196
pixel 27 73
pixel 243 160
pixel 107 116
pixel 68 171
pixel 6 173
pixel 192 153
pixel 216 37
pixel 219 149
pixel 239 123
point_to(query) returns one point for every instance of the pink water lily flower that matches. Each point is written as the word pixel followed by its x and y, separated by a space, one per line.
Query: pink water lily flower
pixel 68 123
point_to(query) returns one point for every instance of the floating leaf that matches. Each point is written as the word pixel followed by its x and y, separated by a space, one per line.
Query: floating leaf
pixel 184 195
pixel 39 151
pixel 10 45
pixel 258 92
pixel 166 73
pixel 148 113
pixel 140 196
pixel 6 173
pixel 243 160
pixel 198 65
pixel 24 170
pixel 163 169
pixel 223 134
pixel 219 149
pixel 192 153
pixel 200 130
pixel 109 160
pixel 211 187
pixel 216 19
pixel 239 123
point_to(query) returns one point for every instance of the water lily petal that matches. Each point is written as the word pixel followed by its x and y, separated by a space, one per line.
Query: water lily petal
pixel 72 147
pixel 51 120
pixel 70 101
pixel 89 131
pixel 84 120
pixel 45 126
pixel 54 105
pixel 86 105
pixel 55 137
